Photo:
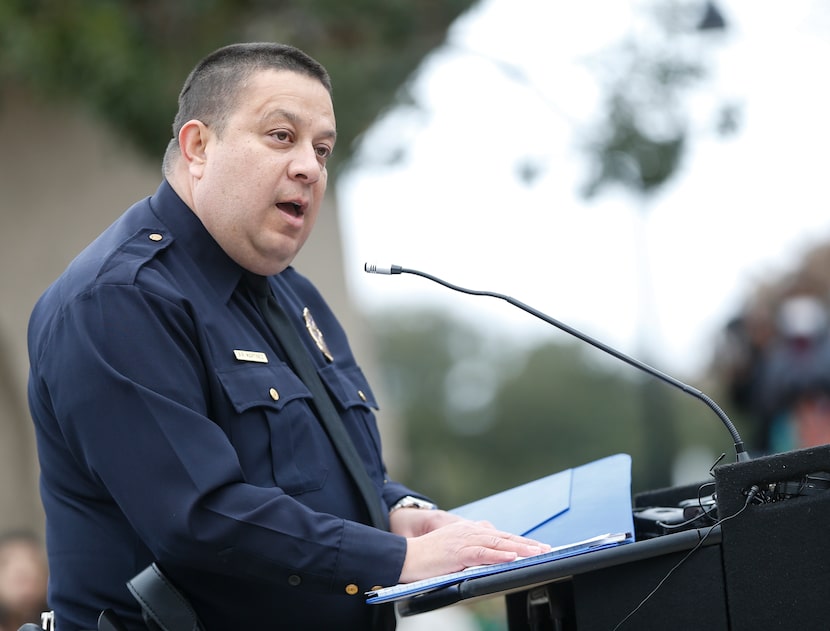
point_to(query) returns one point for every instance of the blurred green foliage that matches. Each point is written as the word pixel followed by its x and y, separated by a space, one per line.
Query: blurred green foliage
pixel 126 59
pixel 482 413
pixel 644 128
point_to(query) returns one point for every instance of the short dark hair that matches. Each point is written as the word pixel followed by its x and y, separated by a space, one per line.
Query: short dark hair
pixel 209 93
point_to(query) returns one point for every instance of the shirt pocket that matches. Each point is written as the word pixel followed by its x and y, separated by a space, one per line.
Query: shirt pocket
pixel 356 403
pixel 300 451
pixel 348 387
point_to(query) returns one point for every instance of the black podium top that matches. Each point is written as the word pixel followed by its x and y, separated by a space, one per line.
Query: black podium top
pixel 560 569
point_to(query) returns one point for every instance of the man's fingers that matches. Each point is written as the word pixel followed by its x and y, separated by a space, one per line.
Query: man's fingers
pixel 461 544
pixel 500 547
pixel 502 538
pixel 507 541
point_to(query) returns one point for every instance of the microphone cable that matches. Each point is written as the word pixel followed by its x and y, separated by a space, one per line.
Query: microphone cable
pixel 750 496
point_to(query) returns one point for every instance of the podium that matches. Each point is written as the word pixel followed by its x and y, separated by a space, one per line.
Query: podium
pixel 765 566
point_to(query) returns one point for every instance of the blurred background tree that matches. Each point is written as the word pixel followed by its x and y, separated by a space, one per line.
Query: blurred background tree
pixel 638 144
pixel 484 414
pixel 126 60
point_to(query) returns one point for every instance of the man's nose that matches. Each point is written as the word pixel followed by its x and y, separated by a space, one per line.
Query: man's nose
pixel 305 164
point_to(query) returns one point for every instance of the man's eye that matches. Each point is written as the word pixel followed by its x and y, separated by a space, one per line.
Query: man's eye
pixel 324 152
pixel 282 136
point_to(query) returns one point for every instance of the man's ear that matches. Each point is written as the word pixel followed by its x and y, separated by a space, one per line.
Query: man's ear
pixel 193 140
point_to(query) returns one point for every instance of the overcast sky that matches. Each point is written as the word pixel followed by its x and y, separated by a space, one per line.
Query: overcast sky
pixel 741 208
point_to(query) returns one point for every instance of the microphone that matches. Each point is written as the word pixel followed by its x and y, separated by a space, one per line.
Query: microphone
pixel 740 451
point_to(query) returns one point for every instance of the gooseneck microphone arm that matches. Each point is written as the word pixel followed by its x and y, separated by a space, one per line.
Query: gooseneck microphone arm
pixel 740 451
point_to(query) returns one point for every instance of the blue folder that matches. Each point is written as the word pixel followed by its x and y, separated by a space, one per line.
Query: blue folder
pixel 575 511
pixel 565 507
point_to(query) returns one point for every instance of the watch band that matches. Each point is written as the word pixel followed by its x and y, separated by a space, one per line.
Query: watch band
pixel 408 501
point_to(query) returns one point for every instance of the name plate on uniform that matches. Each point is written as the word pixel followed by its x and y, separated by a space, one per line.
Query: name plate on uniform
pixel 250 356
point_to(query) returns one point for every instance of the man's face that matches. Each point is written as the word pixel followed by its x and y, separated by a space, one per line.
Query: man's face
pixel 260 186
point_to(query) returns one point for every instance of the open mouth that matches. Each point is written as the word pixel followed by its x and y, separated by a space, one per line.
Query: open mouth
pixel 292 208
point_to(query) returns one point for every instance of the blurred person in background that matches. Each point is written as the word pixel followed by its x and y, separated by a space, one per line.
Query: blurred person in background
pixel 776 364
pixel 23 579
pixel 794 382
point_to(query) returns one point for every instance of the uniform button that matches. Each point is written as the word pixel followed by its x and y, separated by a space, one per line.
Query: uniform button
pixel 377 587
pixel 361 395
pixel 155 236
pixel 274 394
pixel 351 589
pixel 294 580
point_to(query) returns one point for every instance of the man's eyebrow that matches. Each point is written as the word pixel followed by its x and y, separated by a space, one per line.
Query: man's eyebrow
pixel 294 119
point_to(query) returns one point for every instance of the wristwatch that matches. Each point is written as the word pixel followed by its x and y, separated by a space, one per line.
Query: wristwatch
pixel 408 501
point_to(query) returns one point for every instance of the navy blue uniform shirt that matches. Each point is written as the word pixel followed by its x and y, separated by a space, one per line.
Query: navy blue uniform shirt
pixel 163 434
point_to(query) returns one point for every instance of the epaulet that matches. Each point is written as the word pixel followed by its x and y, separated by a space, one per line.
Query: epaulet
pixel 135 252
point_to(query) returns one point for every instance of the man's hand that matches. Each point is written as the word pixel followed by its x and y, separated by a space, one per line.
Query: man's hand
pixel 439 543
pixel 414 522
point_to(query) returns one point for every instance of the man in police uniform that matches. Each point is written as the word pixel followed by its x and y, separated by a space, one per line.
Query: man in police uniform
pixel 170 426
